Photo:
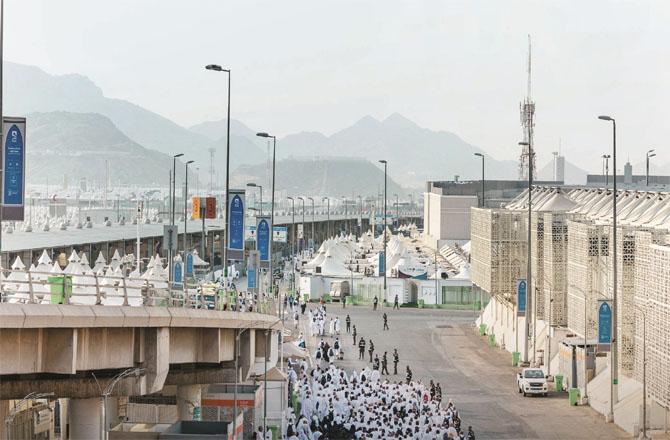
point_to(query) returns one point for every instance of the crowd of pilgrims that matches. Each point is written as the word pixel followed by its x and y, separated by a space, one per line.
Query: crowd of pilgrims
pixel 334 404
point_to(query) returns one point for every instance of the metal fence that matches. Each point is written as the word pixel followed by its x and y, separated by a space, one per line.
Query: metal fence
pixel 33 287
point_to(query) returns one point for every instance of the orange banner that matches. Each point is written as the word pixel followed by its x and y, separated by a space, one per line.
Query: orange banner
pixel 210 207
pixel 195 211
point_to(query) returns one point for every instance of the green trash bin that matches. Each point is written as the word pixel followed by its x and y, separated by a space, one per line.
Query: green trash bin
pixel 482 329
pixel 305 298
pixel 558 381
pixel 573 395
pixel 492 341
pixel 515 358
pixel 56 284
pixel 421 304
pixel 326 297
pixel 275 432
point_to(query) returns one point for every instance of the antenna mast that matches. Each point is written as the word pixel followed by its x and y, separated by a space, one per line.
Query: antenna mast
pixel 527 110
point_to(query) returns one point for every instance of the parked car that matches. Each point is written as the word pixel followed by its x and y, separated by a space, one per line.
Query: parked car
pixel 532 381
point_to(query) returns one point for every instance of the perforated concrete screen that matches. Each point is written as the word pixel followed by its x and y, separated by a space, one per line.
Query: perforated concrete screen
pixel 572 258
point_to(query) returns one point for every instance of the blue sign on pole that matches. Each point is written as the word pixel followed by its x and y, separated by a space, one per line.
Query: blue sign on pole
pixel 13 162
pixel 236 221
pixel 263 238
pixel 251 279
pixel 382 263
pixel 604 325
pixel 178 272
pixel 521 297
pixel 189 264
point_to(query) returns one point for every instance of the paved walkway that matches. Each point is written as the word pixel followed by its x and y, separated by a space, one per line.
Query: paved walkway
pixel 442 345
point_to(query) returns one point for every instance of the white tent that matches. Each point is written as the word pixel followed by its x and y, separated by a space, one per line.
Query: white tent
pixel 100 263
pixel 332 267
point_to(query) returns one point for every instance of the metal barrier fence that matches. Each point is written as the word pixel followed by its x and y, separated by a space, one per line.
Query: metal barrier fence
pixel 33 287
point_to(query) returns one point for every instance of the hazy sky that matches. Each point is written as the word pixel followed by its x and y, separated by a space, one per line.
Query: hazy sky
pixel 320 65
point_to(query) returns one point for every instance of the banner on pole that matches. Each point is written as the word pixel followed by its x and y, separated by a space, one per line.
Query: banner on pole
pixel 382 263
pixel 280 234
pixel 13 168
pixel 521 297
pixel 235 225
pixel 300 231
pixel 195 208
pixel 189 264
pixel 210 207
pixel 170 237
pixel 604 325
pixel 263 239
pixel 177 278
pixel 250 233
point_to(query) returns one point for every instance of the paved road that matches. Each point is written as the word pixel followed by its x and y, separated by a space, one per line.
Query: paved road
pixel 443 346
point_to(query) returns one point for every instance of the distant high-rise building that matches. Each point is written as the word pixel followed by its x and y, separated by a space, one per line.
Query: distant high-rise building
pixel 560 169
pixel 628 173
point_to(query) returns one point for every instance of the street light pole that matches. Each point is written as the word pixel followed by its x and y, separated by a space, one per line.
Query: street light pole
pixel 483 188
pixel 293 234
pixel 614 368
pixel 529 267
pixel 397 211
pixel 313 219
pixel 385 269
pixel 359 226
pixel 217 68
pixel 172 213
pixel 272 206
pixel 650 153
pixel 327 218
pixel 186 208
pixel 302 199
pixel 260 187
pixel 344 200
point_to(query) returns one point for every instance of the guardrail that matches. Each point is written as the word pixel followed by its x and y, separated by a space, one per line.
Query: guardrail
pixel 33 287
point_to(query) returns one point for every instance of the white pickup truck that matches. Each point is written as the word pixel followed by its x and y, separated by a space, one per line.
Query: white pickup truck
pixel 532 381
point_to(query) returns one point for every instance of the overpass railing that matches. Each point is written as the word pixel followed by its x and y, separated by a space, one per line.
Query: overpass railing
pixel 33 287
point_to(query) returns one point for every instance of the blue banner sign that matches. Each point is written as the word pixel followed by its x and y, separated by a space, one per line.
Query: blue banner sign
pixel 263 238
pixel 189 264
pixel 251 279
pixel 13 165
pixel 521 297
pixel 604 325
pixel 236 221
pixel 178 272
pixel 382 263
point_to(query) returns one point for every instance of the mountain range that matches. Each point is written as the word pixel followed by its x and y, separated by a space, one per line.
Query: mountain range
pixel 414 154
pixel 30 89
pixel 81 145
pixel 317 176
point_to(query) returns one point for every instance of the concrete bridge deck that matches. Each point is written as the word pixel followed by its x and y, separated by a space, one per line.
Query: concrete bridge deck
pixel 56 348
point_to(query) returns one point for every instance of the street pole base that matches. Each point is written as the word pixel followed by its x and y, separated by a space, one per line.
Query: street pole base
pixel 584 400
pixel 609 418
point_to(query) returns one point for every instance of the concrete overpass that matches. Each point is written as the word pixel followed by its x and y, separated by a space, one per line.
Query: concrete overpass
pixel 59 348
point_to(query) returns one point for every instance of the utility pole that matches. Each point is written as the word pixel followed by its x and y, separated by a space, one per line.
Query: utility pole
pixel 385 268
pixel 614 367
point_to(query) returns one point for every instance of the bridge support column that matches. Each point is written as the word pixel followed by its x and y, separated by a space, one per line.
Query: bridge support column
pixel 188 398
pixel 85 419
pixel 4 412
